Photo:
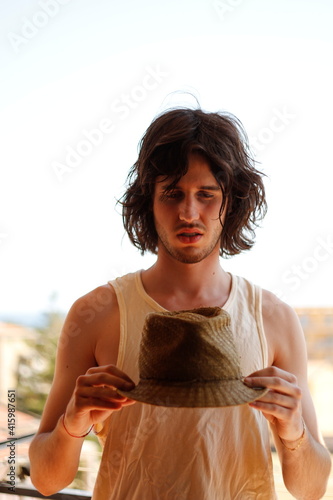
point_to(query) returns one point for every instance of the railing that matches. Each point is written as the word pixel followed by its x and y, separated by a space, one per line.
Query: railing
pixel 22 490
pixel 30 492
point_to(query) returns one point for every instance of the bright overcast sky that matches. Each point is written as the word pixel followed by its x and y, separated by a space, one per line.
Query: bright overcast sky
pixel 82 80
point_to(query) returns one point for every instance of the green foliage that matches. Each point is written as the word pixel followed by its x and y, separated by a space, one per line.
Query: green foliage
pixel 36 367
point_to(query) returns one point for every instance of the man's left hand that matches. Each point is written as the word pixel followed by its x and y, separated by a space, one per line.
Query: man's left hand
pixel 282 404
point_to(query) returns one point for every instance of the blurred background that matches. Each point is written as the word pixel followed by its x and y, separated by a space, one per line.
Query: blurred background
pixel 81 81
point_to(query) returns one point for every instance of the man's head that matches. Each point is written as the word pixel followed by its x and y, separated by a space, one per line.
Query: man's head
pixel 164 153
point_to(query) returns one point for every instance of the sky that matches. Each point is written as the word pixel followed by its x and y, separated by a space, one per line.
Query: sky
pixel 82 80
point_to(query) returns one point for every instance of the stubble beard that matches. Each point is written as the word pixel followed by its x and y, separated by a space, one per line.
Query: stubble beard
pixel 184 256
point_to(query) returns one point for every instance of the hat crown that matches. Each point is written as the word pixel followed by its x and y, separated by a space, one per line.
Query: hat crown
pixel 188 346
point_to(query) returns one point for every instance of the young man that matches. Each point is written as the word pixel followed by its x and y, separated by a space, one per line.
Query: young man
pixel 194 194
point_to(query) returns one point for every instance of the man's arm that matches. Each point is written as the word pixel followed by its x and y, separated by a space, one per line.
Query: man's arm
pixel 84 392
pixel 304 459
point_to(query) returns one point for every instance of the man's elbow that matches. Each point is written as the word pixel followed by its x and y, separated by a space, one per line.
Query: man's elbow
pixel 43 476
pixel 44 489
pixel 38 481
pixel 45 484
pixel 314 488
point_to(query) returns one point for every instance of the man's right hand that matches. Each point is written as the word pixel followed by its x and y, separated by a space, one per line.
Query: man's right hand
pixel 95 397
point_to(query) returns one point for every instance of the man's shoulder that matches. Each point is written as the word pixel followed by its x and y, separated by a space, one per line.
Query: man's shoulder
pixel 96 305
pixel 275 308
pixel 92 323
pixel 282 327
pixel 101 303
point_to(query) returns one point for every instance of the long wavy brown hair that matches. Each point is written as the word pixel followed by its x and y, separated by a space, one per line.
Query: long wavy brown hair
pixel 164 151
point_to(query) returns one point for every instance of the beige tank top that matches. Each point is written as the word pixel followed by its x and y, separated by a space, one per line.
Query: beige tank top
pixel 158 453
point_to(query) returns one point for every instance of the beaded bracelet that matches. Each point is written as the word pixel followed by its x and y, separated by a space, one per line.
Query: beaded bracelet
pixel 300 440
pixel 73 435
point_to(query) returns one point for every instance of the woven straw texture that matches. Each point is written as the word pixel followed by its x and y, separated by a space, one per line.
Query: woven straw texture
pixel 189 359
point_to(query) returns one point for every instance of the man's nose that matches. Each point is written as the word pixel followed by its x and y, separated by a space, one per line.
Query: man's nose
pixel 188 210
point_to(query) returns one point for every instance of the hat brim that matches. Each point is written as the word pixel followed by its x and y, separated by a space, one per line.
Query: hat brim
pixel 210 394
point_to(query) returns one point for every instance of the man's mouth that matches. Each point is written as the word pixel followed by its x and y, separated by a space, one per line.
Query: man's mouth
pixel 187 233
pixel 189 236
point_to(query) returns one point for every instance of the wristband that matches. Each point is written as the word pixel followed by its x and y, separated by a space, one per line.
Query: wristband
pixel 73 435
pixel 300 440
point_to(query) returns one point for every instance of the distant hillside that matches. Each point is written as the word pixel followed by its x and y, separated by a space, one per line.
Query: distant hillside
pixel 33 320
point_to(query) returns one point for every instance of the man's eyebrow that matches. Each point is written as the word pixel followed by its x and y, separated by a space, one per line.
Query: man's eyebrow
pixel 214 187
pixel 211 188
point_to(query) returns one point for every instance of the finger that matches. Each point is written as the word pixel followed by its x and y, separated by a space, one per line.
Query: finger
pixel 91 403
pixel 275 413
pixel 273 371
pixel 105 379
pixel 129 402
pixel 104 393
pixel 111 370
pixel 278 399
pixel 276 384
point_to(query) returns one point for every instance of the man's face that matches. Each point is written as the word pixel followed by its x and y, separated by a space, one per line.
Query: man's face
pixel 187 218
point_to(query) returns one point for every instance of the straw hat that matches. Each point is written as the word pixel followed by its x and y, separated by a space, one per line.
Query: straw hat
pixel 189 359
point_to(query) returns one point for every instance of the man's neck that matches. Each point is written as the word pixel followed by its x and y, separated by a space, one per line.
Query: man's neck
pixel 175 285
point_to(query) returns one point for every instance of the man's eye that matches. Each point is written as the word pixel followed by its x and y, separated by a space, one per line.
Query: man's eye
pixel 171 195
pixel 204 194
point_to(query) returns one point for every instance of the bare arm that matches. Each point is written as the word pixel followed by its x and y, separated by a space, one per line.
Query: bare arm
pixel 305 461
pixel 83 391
